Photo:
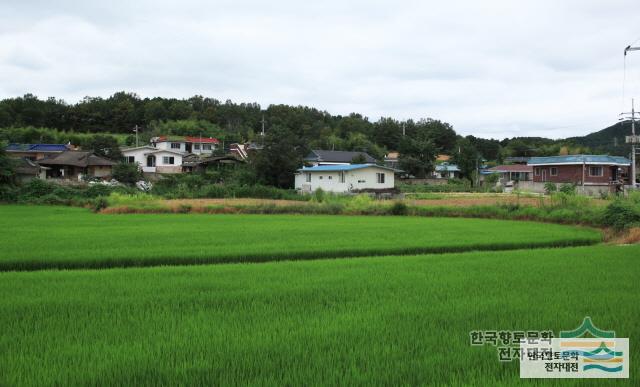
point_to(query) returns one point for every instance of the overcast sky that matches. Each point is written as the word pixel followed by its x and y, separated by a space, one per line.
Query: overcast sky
pixel 491 68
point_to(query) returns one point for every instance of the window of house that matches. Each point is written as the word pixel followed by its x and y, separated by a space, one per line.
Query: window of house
pixel 595 171
pixel 536 171
pixel 330 177
pixel 308 177
pixel 341 177
pixel 361 181
pixel 175 145
pixel 206 146
pixel 196 146
pixel 130 159
pixel 320 177
pixel 168 160
pixel 553 171
pixel 380 177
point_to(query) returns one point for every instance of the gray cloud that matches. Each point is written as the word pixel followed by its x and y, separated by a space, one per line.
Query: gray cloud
pixel 491 68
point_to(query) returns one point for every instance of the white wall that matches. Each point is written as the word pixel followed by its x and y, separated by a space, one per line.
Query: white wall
pixel 140 156
pixel 166 145
pixel 364 178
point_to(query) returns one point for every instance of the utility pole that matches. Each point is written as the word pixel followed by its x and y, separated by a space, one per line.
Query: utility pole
pixel 633 145
pixel 262 133
pixel 136 130
pixel 633 140
pixel 404 132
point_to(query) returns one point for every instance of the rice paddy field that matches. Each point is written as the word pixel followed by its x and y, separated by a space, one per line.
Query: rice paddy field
pixel 64 237
pixel 353 319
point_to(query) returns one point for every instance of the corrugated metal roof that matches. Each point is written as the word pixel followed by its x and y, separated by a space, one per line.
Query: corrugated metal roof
pixel 205 140
pixel 580 159
pixel 37 147
pixel 447 168
pixel 346 167
pixel 328 156
pixel 77 159
pixel 191 139
pixel 512 168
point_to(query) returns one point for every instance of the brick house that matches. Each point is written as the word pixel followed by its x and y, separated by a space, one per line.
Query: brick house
pixel 601 172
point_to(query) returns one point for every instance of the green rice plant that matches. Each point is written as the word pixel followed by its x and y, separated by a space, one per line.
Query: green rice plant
pixel 394 320
pixel 76 237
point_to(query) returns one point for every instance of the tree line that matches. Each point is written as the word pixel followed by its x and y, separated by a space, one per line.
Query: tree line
pixel 291 130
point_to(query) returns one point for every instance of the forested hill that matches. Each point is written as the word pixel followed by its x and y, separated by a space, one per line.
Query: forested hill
pixel 121 112
pixel 610 140
pixel 22 118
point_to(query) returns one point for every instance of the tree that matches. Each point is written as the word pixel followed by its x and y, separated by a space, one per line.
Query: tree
pixel 388 133
pixel 417 156
pixel 467 159
pixel 128 173
pixel 442 134
pixel 105 146
pixel 7 171
pixel 359 159
pixel 281 156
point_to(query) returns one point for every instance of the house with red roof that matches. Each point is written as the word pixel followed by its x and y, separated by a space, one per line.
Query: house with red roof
pixel 186 144
pixel 167 154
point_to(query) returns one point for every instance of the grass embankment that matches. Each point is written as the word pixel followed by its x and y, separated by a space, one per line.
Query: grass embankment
pixel 558 208
pixel 371 321
pixel 63 237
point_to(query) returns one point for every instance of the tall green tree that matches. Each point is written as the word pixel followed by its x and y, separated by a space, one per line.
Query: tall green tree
pixel 7 171
pixel 281 156
pixel 105 146
pixel 466 158
pixel 417 156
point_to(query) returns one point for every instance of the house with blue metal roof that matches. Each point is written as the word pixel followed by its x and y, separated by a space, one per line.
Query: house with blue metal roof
pixel 593 173
pixel 35 151
pixel 345 178
pixel 333 157
pixel 446 171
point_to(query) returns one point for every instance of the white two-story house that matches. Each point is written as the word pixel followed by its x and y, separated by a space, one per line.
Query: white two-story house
pixel 153 160
pixel 186 144
pixel 166 153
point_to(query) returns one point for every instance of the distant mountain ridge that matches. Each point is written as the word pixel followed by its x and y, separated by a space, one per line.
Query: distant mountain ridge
pixel 610 140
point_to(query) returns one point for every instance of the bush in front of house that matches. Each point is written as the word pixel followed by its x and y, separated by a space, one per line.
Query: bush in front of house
pixel 568 189
pixel 550 188
pixel 621 214
pixel 127 173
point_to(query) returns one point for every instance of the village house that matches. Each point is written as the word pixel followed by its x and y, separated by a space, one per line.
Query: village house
pixel 36 152
pixel 446 171
pixel 514 172
pixel 242 151
pixel 27 169
pixel 344 178
pixel 392 160
pixel 186 144
pixel 167 154
pixel 194 163
pixel 154 160
pixel 77 165
pixel 326 157
pixel 593 173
